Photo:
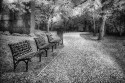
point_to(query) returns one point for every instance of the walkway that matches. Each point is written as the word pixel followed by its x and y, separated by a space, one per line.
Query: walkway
pixel 81 61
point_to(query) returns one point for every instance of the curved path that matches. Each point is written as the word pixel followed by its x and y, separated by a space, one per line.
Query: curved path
pixel 81 61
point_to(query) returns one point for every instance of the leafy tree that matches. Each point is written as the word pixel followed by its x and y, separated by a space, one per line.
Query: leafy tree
pixel 116 22
pixel 30 6
pixel 108 7
pixel 43 11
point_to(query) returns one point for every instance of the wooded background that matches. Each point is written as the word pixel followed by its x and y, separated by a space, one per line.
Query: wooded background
pixel 105 15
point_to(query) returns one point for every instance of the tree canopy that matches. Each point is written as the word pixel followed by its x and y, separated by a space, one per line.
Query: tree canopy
pixel 55 11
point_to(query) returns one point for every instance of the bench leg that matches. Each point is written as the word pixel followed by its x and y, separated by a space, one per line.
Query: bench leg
pixel 52 48
pixel 39 57
pixel 62 42
pixel 15 65
pixel 58 43
pixel 46 52
pixel 26 61
pixel 55 46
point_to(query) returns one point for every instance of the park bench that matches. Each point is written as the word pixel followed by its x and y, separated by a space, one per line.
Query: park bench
pixel 21 51
pixel 53 40
pixel 43 45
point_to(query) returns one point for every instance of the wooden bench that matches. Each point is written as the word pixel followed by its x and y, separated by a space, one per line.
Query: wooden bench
pixel 52 40
pixel 21 51
pixel 43 45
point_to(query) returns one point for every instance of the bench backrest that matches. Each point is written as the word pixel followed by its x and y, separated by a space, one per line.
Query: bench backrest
pixel 20 48
pixel 49 37
pixel 40 41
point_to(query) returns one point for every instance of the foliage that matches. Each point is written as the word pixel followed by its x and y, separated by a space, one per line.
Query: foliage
pixel 116 22
pixel 42 13
pixel 47 10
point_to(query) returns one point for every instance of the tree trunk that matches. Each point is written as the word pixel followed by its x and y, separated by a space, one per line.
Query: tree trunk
pixel 102 29
pixel 1 2
pixel 38 25
pixel 121 31
pixel 48 26
pixel 32 18
pixel 60 33
pixel 49 23
pixel 94 28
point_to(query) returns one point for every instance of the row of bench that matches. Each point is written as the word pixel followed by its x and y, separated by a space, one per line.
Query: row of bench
pixel 22 51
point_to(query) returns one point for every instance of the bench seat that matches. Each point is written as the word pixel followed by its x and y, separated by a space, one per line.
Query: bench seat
pixel 45 46
pixel 28 55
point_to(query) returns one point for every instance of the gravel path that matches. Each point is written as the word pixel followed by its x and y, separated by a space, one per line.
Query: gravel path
pixel 81 61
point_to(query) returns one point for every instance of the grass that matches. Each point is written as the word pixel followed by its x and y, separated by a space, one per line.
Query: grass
pixel 112 45
pixel 20 76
